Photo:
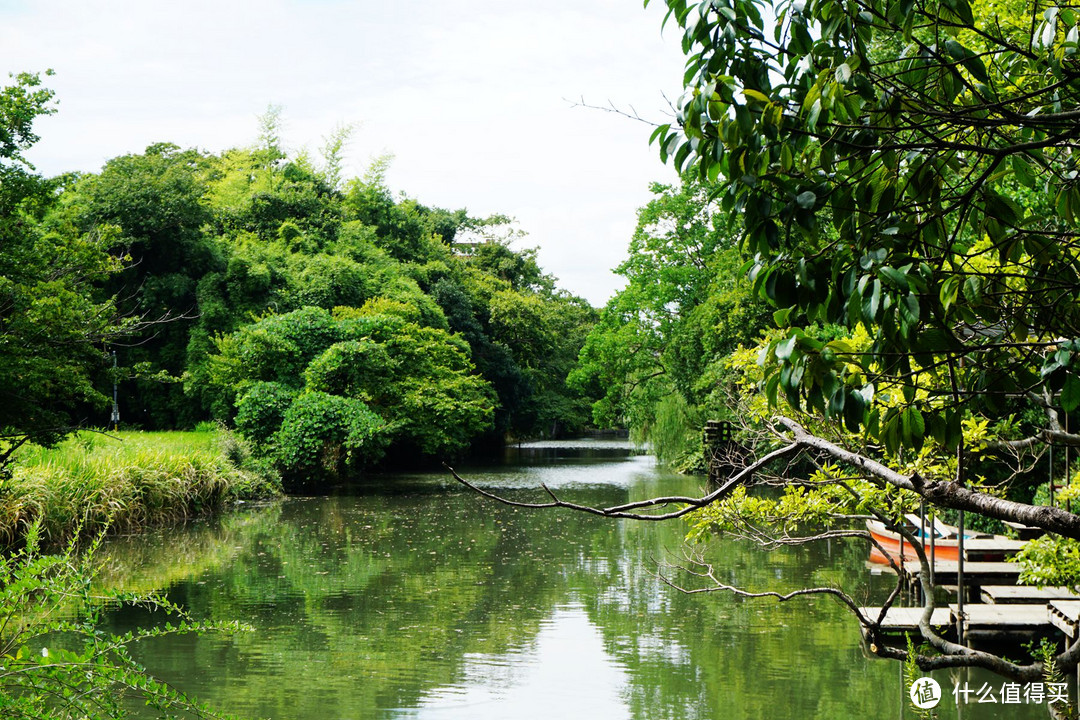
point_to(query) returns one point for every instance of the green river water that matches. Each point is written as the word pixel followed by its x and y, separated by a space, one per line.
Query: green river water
pixel 426 601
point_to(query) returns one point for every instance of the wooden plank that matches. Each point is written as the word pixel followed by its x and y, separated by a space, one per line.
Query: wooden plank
pixel 975 573
pixel 1025 532
pixel 905 619
pixel 991 548
pixel 1003 617
pixel 1065 615
pixel 1012 594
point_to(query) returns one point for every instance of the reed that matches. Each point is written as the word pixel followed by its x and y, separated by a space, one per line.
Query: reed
pixel 127 481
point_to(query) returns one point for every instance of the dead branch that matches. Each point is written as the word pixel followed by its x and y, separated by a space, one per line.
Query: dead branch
pixel 624 511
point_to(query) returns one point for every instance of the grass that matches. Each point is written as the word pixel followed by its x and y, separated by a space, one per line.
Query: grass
pixel 127 481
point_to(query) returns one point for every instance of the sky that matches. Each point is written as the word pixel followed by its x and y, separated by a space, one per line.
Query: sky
pixel 478 101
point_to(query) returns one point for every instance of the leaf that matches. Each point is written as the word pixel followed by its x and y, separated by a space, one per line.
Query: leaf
pixel 914 427
pixel 756 95
pixel 894 276
pixel 1070 394
pixel 1025 175
pixel 784 348
pixel 806 199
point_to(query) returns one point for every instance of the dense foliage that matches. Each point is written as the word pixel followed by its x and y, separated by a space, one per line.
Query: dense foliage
pixel 902 177
pixel 655 356
pixel 51 323
pixel 344 325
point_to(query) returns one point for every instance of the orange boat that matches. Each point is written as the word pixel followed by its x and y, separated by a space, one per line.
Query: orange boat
pixel 946 543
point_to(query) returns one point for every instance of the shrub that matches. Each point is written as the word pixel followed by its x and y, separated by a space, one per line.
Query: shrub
pixel 327 433
pixel 55 663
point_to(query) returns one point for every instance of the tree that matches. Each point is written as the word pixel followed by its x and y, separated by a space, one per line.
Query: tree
pixel 52 328
pixel 905 177
pixel 155 200
pixel 334 391
pixel 685 306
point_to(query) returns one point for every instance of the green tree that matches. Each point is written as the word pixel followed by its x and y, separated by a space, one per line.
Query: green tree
pixel 904 171
pixel 904 177
pixel 337 390
pixel 155 200
pixel 52 328
pixel 684 308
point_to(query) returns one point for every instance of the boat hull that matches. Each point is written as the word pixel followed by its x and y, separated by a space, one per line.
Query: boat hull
pixel 977 548
pixel 944 549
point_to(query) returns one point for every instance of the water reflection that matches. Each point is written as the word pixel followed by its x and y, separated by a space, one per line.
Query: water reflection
pixel 432 602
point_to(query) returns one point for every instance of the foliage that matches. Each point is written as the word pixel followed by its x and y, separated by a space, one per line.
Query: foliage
pixel 320 431
pixel 333 390
pixel 51 325
pixel 926 195
pixel 902 179
pixel 1050 560
pixel 56 661
pixel 222 271
pixel 684 309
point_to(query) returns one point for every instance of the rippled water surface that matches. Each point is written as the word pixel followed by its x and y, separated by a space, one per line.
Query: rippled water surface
pixel 426 601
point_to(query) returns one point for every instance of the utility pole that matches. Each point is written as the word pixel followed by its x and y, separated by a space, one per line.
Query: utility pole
pixel 115 419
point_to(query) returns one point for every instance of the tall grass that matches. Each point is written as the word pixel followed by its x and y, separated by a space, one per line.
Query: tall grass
pixel 126 481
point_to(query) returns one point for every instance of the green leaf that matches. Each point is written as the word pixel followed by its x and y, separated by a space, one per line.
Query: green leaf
pixel 755 95
pixel 806 199
pixel 1025 175
pixel 1070 394
pixel 785 347
pixel 914 428
pixel 894 276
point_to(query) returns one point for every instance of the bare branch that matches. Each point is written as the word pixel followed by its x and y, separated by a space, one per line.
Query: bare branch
pixel 623 511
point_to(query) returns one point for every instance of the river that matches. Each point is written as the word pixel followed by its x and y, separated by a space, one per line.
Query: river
pixel 426 601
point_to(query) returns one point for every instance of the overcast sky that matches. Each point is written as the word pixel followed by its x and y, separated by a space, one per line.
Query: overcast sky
pixel 474 98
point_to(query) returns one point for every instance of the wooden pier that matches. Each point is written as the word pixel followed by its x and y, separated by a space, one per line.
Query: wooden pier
pixel 1065 616
pixel 976 574
pixel 1017 594
pixel 983 619
pixel 902 620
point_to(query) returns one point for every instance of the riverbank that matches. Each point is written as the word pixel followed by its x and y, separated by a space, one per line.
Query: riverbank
pixel 128 481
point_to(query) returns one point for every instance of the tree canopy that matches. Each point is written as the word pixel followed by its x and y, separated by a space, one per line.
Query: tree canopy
pixel 900 181
pixel 52 324
pixel 337 323
pixel 904 173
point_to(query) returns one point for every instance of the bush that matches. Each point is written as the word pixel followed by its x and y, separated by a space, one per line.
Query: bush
pixel 260 411
pixel 322 433
pixel 55 661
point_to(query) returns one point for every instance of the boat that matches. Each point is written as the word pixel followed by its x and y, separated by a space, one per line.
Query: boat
pixel 981 547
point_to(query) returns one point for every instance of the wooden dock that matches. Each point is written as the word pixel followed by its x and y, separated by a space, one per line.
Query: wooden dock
pixel 981 617
pixel 1065 615
pixel 1016 594
pixel 901 620
pixel 976 574
pixel 991 549
pixel 1007 613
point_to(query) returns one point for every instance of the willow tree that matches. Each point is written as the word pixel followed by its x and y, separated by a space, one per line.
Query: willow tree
pixel 906 179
